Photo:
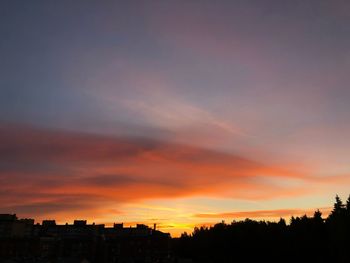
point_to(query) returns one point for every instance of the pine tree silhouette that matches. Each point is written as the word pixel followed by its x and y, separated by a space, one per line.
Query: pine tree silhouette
pixel 312 239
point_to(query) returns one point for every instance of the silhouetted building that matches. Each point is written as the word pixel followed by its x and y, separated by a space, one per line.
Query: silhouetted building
pixel 48 223
pixel 80 222
pixel 10 226
pixel 20 239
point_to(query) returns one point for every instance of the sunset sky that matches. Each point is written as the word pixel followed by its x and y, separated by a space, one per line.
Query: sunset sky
pixel 179 113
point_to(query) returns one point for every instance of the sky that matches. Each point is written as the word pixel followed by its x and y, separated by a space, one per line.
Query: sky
pixel 180 113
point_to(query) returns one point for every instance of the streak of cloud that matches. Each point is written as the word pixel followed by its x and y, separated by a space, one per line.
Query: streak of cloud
pixel 58 164
pixel 276 213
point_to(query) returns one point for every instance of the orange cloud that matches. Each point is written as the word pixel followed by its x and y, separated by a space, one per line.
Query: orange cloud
pixel 277 213
pixel 46 172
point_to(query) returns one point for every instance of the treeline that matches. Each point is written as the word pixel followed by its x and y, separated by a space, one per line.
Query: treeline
pixel 304 239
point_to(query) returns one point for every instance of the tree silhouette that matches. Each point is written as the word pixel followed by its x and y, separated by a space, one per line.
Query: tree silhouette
pixel 312 239
pixel 338 205
pixel 348 204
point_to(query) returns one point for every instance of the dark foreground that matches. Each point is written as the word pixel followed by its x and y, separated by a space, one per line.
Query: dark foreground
pixel 305 239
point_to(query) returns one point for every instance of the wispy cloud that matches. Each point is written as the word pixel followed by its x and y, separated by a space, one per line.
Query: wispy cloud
pixel 276 213
pixel 64 175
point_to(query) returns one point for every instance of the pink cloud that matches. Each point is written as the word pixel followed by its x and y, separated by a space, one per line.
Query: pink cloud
pixel 41 170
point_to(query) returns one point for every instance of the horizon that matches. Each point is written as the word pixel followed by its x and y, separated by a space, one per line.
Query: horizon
pixel 179 113
pixel 234 217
